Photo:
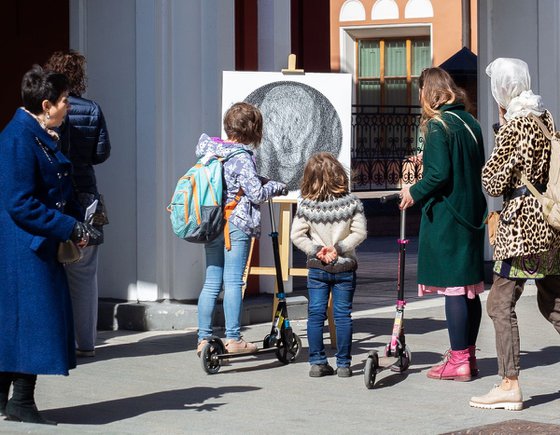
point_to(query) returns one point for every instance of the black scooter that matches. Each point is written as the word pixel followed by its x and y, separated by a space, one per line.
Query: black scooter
pixel 281 339
pixel 397 346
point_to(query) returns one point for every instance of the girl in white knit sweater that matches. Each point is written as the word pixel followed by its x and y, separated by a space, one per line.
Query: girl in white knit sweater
pixel 328 226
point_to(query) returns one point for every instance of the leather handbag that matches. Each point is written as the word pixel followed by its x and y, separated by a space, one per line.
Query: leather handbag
pixel 492 221
pixel 68 252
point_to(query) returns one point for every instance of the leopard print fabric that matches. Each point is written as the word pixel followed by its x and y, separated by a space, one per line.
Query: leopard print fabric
pixel 522 229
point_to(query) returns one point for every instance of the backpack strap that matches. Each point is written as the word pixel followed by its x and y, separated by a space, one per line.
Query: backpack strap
pixel 543 127
pixel 228 209
pixel 521 175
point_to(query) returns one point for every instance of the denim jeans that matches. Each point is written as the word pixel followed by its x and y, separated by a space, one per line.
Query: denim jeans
pixel 224 267
pixel 319 285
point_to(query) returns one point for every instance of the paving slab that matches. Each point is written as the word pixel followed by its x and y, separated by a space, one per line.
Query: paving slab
pixel 152 382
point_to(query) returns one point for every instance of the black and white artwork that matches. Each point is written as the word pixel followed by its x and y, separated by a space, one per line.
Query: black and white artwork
pixel 302 115
pixel 298 121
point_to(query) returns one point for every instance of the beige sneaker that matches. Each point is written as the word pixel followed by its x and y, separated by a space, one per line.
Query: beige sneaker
pixel 240 346
pixel 512 400
pixel 200 346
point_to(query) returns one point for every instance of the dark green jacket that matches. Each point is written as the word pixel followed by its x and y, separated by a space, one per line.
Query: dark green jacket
pixel 451 242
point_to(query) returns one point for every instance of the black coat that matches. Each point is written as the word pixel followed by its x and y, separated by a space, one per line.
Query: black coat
pixel 85 141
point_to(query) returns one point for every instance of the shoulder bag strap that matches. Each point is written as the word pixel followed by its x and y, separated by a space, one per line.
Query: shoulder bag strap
pixel 466 125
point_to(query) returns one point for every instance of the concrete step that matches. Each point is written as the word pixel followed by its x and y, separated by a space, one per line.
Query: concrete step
pixel 170 315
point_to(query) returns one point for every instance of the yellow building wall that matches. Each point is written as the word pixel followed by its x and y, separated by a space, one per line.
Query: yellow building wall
pixel 446 25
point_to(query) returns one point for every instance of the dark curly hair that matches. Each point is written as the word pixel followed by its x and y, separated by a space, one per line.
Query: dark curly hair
pixel 243 122
pixel 73 65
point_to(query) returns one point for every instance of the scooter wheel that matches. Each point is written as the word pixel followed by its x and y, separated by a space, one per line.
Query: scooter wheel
pixel 288 352
pixel 370 369
pixel 406 358
pixel 268 341
pixel 209 355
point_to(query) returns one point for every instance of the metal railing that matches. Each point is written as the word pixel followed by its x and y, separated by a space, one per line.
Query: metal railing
pixel 384 138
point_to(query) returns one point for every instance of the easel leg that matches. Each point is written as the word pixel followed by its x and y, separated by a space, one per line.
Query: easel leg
pixel 330 320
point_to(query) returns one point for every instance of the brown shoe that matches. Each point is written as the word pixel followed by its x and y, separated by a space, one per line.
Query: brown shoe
pixel 200 346
pixel 240 346
pixel 512 400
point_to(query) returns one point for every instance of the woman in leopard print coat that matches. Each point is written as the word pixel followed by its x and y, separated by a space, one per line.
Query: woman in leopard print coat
pixel 526 246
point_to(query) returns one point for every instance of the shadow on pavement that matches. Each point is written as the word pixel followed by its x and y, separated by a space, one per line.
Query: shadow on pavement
pixel 384 326
pixel 541 399
pixel 121 409
pixel 155 345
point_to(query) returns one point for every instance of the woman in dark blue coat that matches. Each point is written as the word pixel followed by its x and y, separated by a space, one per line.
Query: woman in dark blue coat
pixel 36 332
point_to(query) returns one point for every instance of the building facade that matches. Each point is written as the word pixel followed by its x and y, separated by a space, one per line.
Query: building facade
pixel 155 67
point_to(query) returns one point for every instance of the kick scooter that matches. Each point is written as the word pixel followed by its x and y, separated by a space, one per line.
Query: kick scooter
pixel 397 346
pixel 281 339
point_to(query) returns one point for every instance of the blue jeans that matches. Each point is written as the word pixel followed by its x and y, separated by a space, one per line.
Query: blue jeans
pixel 224 267
pixel 319 285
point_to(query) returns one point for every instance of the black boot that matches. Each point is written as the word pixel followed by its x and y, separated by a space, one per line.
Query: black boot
pixel 5 382
pixel 21 407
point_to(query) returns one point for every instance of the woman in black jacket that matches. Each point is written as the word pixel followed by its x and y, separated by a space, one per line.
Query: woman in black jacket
pixel 85 141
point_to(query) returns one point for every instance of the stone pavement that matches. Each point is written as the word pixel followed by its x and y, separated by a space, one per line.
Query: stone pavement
pixel 153 382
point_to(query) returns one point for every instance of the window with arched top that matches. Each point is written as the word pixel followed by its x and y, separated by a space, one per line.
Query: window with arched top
pixel 352 10
pixel 385 10
pixel 419 9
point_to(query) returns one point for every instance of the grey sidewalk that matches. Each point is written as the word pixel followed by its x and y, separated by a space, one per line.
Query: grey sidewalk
pixel 152 382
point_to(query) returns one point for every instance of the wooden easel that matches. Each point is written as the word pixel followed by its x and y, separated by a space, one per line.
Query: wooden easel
pixel 284 243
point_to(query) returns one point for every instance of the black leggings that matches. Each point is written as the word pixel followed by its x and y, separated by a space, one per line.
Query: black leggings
pixel 463 320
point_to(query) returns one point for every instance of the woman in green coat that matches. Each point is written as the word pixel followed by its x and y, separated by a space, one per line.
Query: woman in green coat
pixel 451 242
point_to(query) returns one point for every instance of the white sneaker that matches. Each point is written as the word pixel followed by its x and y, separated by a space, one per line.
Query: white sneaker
pixel 512 400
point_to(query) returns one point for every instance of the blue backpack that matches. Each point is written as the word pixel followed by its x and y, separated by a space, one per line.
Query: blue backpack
pixel 196 210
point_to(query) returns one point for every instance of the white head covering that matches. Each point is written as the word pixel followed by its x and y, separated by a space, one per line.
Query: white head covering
pixel 511 87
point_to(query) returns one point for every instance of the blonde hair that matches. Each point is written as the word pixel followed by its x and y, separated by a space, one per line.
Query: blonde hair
pixel 324 177
pixel 437 88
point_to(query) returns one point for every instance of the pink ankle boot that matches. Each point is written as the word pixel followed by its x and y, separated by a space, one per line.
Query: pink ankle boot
pixel 472 361
pixel 455 366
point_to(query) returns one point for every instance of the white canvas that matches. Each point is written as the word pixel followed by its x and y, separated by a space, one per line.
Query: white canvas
pixel 302 114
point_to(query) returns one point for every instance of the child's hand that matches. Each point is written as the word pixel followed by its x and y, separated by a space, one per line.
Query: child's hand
pixel 327 254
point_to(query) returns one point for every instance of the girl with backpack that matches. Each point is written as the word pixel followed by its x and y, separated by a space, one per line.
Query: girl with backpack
pixel 226 256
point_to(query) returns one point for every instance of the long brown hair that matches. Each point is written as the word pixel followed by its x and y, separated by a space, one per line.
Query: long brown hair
pixel 73 65
pixel 438 88
pixel 324 177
